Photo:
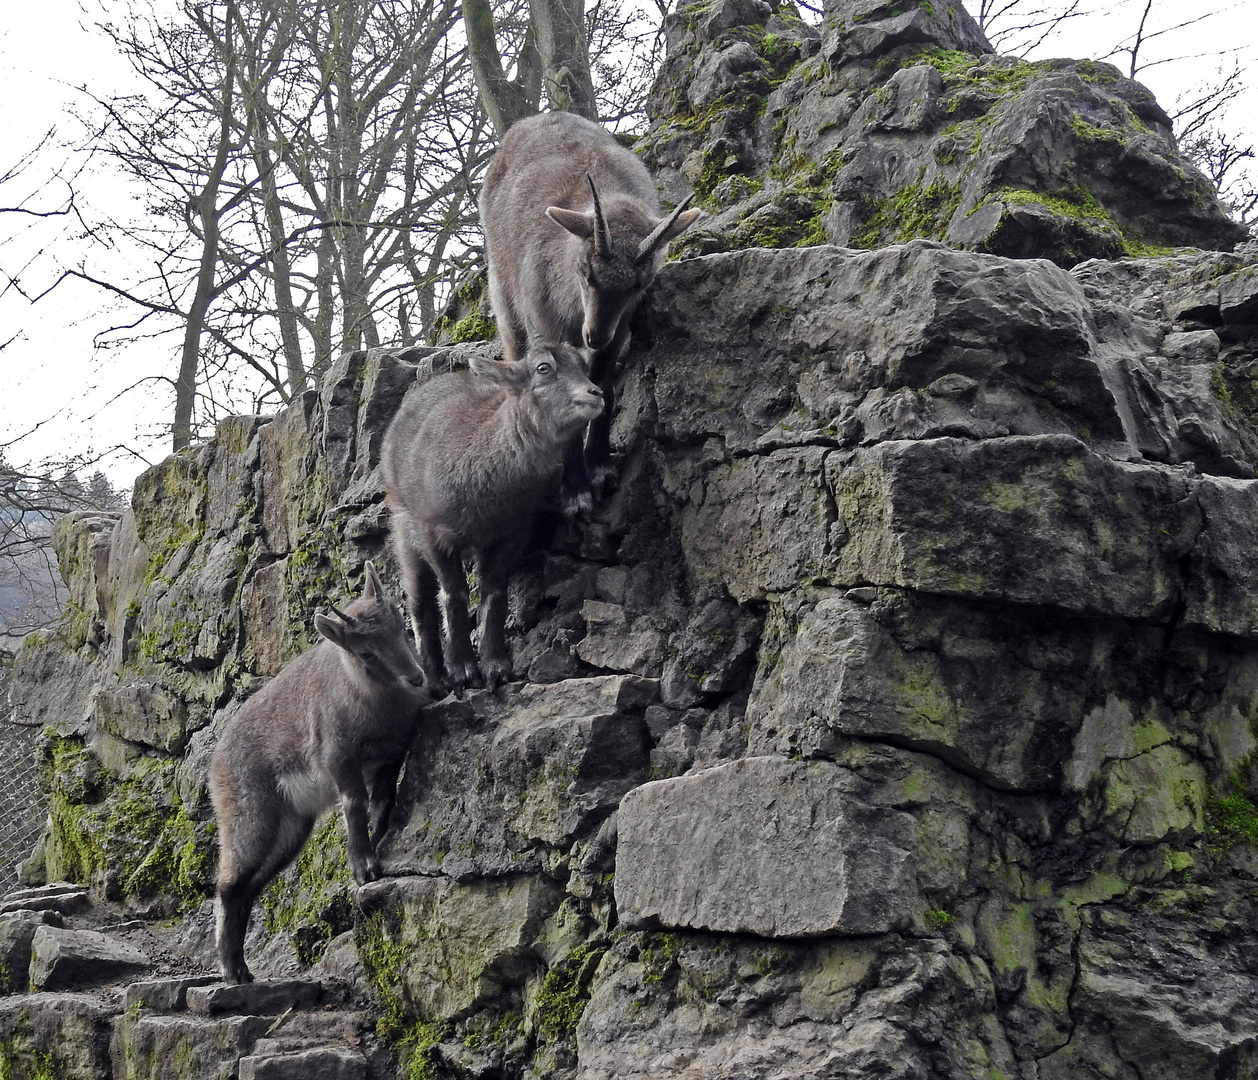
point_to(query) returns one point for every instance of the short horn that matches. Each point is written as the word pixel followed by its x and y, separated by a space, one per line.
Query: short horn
pixel 652 243
pixel 602 238
pixel 348 620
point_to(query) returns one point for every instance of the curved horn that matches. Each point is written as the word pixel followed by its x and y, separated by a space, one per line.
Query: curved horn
pixel 655 239
pixel 348 620
pixel 602 238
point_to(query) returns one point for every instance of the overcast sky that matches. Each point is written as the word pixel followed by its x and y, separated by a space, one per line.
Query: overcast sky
pixel 63 396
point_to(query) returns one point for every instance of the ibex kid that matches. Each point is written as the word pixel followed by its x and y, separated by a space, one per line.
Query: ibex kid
pixel 466 462
pixel 334 723
pixel 573 237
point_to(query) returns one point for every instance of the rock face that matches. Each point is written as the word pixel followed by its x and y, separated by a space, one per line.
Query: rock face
pixel 891 121
pixel 894 715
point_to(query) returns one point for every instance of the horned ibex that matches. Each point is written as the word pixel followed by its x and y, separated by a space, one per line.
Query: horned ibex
pixel 466 462
pixel 573 236
pixel 335 722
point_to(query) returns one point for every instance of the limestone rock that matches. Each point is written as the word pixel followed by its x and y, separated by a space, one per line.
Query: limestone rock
pixel 65 959
pixel 1196 1019
pixel 17 930
pixel 181 1046
pixel 62 897
pixel 504 777
pixel 793 135
pixel 466 946
pixel 61 1035
pixel 763 846
pixel 327 1064
pixel 264 997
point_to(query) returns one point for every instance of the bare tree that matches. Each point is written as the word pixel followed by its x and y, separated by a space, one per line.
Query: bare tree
pixel 1021 26
pixel 307 170
pixel 1200 126
pixel 596 62
pixel 31 197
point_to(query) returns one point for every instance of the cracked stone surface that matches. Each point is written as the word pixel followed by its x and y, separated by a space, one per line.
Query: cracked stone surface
pixel 894 714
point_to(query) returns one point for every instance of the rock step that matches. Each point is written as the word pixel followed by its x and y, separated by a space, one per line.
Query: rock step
pixel 209 996
pixel 267 997
pixel 325 1063
pixel 62 897
pixel 280 1029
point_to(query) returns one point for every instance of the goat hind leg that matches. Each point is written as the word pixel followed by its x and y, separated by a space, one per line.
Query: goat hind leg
pixel 233 903
pixel 259 855
pixel 420 585
pixel 460 660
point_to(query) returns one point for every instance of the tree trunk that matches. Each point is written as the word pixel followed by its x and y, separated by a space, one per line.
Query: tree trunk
pixel 505 100
pixel 207 212
pixel 565 55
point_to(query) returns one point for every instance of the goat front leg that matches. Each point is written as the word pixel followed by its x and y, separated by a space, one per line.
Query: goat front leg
pixel 596 447
pixel 495 566
pixel 382 794
pixel 576 493
pixel 347 774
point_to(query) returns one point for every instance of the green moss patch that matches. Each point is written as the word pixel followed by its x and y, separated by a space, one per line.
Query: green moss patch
pixel 1231 814
pixel 913 212
pixel 130 838
pixel 565 992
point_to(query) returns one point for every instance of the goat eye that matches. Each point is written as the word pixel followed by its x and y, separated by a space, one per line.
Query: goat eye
pixel 544 368
pixel 366 654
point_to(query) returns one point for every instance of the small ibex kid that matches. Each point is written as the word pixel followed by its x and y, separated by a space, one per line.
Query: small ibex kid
pixel 334 723
pixel 467 461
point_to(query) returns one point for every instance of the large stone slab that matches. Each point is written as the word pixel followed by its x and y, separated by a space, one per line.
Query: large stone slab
pixel 1010 695
pixel 764 846
pixel 1044 520
pixel 326 1063
pixel 790 346
pixel 1156 1003
pixel 181 1047
pixel 1030 520
pixel 17 930
pixel 65 959
pixel 163 995
pixel 267 997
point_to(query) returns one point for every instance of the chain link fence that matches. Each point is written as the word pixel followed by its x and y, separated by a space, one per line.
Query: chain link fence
pixel 23 807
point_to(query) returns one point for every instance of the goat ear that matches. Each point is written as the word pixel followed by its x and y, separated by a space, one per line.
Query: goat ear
pixel 684 220
pixel 331 629
pixel 484 368
pixel 373 587
pixel 574 221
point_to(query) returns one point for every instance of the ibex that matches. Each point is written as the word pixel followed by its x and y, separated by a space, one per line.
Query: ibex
pixel 466 462
pixel 334 723
pixel 573 236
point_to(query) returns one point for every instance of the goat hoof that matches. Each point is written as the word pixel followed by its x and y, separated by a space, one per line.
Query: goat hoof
pixel 463 676
pixel 495 672
pixel 371 872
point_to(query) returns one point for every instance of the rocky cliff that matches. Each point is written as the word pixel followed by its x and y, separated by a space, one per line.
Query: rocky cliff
pixel 894 716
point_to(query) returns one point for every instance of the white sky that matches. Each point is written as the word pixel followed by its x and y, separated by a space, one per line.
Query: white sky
pixel 61 396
